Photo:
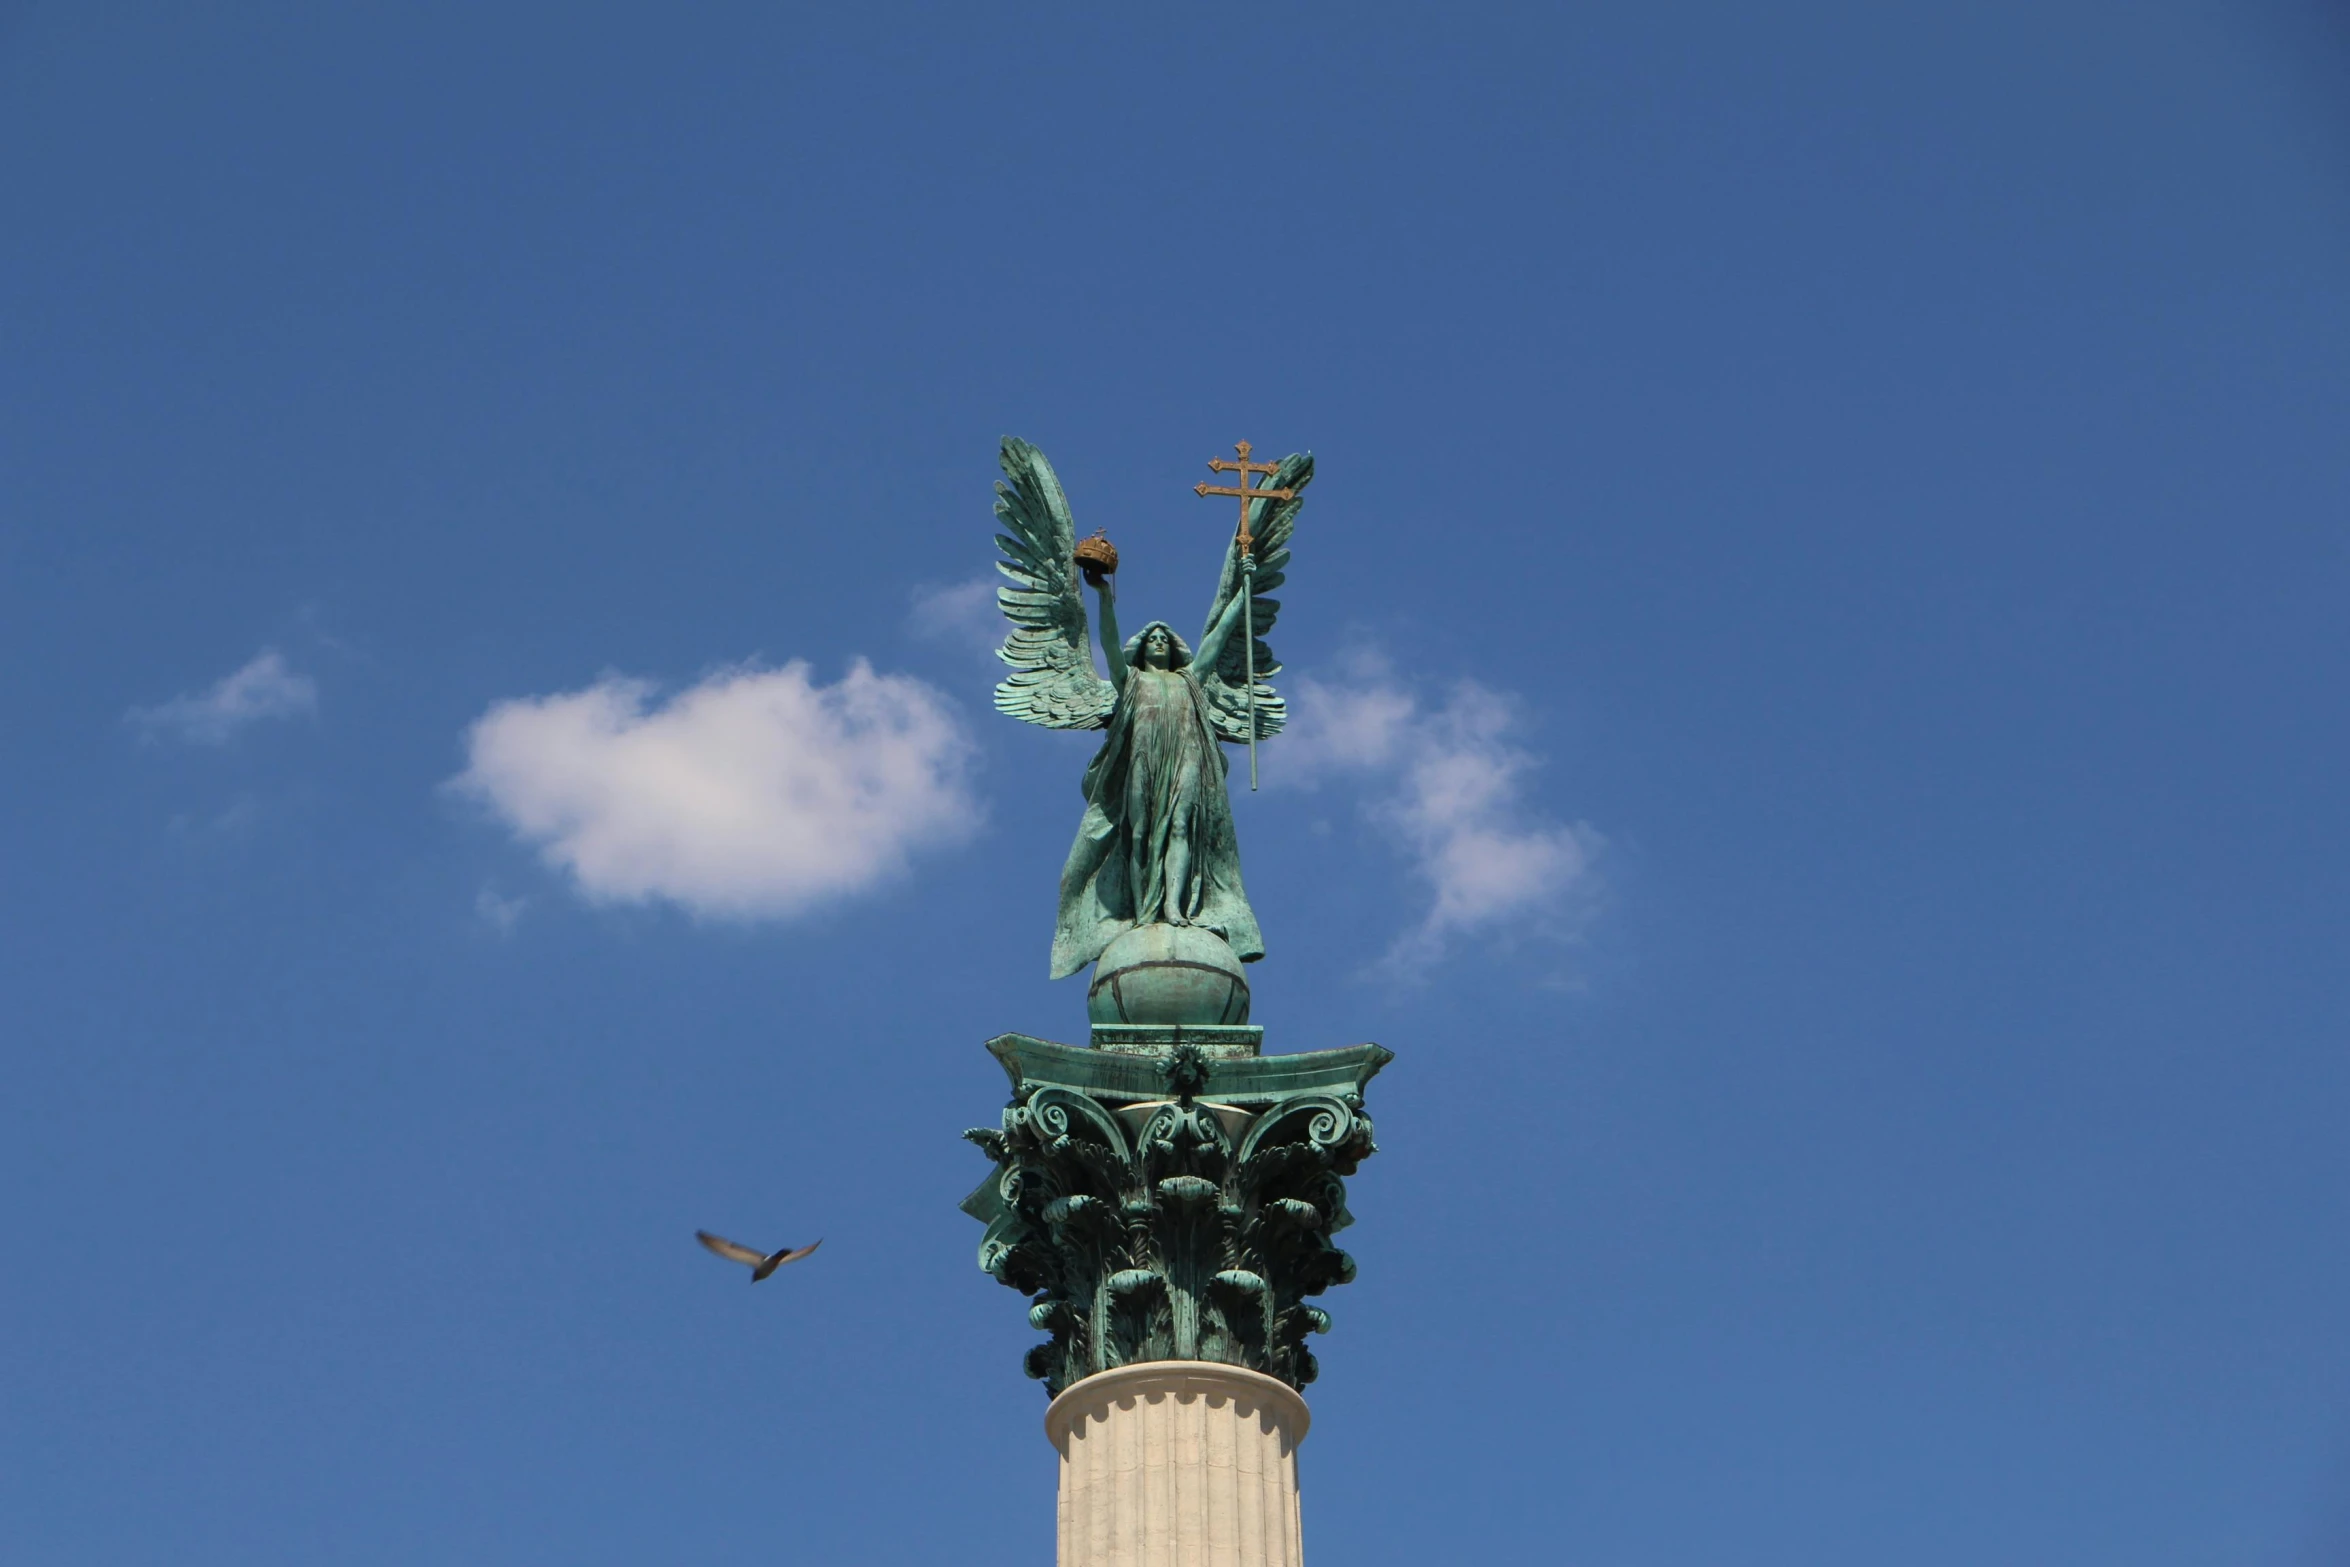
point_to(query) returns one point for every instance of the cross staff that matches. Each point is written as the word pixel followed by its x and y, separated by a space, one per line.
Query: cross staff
pixel 1248 567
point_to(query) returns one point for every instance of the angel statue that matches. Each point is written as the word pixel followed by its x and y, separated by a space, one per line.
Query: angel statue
pixel 1156 846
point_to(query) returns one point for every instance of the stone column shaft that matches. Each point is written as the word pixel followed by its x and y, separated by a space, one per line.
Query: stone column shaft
pixel 1178 1463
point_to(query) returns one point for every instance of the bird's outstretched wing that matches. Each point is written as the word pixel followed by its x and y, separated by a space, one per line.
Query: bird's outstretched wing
pixel 787 1255
pixel 1052 681
pixel 729 1250
pixel 1226 685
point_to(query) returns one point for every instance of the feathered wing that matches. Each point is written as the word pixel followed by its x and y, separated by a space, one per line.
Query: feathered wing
pixel 1226 686
pixel 729 1250
pixel 1052 681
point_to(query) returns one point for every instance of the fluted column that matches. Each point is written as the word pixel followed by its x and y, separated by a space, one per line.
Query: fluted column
pixel 1178 1463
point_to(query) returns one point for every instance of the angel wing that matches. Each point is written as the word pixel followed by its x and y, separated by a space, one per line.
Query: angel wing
pixel 1226 686
pixel 1053 682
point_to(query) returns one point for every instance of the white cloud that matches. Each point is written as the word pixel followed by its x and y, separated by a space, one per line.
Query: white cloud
pixel 1448 780
pixel 1352 725
pixel 499 914
pixel 757 792
pixel 264 688
pixel 963 613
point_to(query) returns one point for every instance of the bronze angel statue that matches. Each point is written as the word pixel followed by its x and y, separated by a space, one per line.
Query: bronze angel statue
pixel 1156 845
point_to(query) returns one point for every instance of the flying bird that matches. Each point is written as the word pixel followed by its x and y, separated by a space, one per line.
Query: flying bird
pixel 761 1263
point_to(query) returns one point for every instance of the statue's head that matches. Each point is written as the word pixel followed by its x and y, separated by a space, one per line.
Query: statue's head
pixel 1156 646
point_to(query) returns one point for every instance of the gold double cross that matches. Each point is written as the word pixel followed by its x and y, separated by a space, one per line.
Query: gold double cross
pixel 1245 490
pixel 1248 552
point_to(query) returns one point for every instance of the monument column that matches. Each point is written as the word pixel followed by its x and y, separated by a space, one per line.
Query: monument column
pixel 1165 1195
pixel 1178 1463
pixel 1166 1199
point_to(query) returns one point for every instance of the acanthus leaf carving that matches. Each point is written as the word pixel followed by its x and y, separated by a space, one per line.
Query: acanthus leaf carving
pixel 1180 1229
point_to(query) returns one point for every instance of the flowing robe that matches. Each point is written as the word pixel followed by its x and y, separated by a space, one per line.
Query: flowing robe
pixel 1159 776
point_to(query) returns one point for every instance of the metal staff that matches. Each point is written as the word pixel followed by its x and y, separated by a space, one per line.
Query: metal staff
pixel 1248 569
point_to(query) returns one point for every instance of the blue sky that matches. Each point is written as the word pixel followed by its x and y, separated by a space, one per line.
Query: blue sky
pixel 1851 497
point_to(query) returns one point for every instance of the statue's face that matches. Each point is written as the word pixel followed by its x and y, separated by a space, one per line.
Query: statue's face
pixel 1157 648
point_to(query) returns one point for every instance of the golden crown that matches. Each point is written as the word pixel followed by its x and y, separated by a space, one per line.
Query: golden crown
pixel 1097 557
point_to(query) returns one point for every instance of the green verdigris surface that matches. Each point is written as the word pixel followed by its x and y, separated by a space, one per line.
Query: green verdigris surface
pixel 1172 1209
pixel 1156 844
pixel 1171 1192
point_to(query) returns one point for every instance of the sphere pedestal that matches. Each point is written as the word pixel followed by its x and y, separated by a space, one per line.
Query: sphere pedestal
pixel 1178 1463
pixel 1168 974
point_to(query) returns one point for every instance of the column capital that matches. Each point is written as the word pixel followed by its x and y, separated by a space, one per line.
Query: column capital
pixel 1172 1210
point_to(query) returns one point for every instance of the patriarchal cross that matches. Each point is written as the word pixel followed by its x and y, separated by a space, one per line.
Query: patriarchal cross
pixel 1245 469
pixel 1248 491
